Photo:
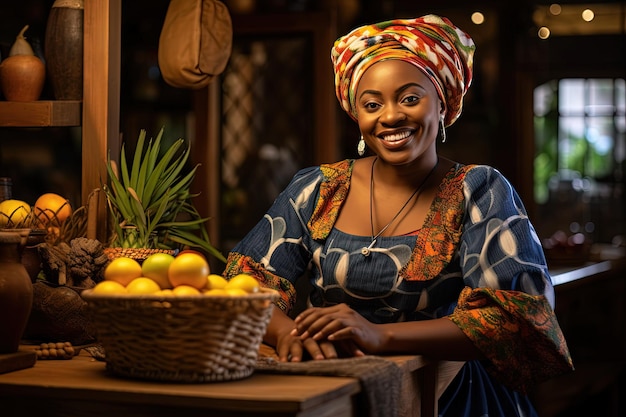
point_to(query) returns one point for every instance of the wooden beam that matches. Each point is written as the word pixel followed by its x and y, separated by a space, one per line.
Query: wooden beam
pixel 101 98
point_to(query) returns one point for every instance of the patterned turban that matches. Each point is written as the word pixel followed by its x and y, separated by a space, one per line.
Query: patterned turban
pixel 432 43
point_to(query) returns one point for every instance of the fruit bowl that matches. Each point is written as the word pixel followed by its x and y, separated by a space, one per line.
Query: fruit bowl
pixel 196 338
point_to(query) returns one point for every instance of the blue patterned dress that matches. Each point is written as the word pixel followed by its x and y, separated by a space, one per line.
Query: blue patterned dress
pixel 477 261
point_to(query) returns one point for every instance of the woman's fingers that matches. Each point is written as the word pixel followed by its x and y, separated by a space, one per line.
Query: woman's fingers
pixel 319 351
pixel 309 322
pixel 349 348
pixel 318 320
pixel 289 348
pixel 343 327
pixel 328 350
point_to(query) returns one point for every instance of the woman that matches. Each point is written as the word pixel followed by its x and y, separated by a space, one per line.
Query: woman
pixel 407 251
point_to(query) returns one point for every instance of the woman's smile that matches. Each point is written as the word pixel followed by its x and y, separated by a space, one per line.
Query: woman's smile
pixel 394 137
pixel 397 139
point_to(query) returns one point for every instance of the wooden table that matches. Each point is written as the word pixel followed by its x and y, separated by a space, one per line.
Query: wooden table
pixel 82 387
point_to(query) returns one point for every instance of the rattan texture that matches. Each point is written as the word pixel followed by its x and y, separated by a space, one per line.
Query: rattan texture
pixel 181 338
pixel 138 254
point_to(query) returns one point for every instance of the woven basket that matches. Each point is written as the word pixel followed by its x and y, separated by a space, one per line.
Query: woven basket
pixel 138 254
pixel 181 338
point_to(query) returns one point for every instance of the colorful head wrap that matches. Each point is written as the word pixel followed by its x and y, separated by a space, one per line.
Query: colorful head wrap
pixel 432 43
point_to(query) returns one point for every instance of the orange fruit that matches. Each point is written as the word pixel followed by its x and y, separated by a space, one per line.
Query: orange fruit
pixel 52 208
pixel 244 282
pixel 109 287
pixel 122 270
pixel 189 269
pixel 191 251
pixel 142 285
pixel 215 281
pixel 156 266
pixel 185 290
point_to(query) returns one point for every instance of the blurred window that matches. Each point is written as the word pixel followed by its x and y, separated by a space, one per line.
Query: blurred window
pixel 580 148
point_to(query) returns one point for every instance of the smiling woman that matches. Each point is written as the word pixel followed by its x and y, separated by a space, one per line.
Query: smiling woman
pixel 408 251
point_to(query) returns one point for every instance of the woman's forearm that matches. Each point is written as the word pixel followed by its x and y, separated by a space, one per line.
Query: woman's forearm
pixel 437 338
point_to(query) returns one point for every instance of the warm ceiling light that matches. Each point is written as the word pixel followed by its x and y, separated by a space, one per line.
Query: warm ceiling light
pixel 596 19
pixel 588 15
pixel 478 18
pixel 555 9
pixel 543 32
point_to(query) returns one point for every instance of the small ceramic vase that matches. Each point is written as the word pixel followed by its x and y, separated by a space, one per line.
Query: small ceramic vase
pixel 16 290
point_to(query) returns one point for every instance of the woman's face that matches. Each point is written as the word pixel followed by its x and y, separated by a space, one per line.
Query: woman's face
pixel 398 111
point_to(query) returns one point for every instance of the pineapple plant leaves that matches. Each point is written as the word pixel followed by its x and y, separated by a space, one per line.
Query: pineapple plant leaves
pixel 150 203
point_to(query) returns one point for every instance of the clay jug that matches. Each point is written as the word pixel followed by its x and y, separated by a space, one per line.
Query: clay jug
pixel 64 49
pixel 16 291
pixel 30 253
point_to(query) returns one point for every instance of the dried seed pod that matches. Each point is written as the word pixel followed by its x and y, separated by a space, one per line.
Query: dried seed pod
pixel 21 45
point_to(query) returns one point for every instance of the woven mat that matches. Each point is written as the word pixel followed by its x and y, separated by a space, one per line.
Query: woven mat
pixel 380 379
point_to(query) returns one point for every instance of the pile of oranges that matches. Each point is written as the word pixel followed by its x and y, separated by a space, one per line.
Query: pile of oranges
pixel 162 274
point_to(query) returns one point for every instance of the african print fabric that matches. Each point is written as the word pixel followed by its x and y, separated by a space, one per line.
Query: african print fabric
pixel 477 261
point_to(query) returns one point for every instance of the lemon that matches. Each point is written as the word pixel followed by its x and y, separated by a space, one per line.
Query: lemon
pixel 142 285
pixel 215 281
pixel 244 282
pixel 122 270
pixel 185 290
pixel 109 287
pixel 216 292
pixel 13 211
pixel 155 266
pixel 236 292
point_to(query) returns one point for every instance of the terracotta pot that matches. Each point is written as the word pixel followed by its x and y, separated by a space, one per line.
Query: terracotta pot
pixel 16 291
pixel 22 77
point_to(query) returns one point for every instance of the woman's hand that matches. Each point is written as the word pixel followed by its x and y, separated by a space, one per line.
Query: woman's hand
pixel 342 326
pixel 292 348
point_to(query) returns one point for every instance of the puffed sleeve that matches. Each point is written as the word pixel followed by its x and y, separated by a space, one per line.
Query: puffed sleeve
pixel 506 308
pixel 275 250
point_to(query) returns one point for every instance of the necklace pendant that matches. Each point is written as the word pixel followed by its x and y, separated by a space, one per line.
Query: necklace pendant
pixel 365 251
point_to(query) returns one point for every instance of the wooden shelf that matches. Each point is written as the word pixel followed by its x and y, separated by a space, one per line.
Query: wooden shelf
pixel 98 113
pixel 40 113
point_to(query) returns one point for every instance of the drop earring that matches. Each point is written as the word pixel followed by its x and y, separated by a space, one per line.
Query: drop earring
pixel 361 147
pixel 442 128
